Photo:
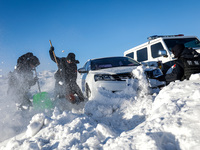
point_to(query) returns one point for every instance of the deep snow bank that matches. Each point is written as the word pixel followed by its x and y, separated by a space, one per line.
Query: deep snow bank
pixel 125 120
pixel 172 123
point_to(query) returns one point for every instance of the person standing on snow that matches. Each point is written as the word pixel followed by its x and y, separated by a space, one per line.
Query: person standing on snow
pixel 66 75
pixel 21 80
pixel 187 63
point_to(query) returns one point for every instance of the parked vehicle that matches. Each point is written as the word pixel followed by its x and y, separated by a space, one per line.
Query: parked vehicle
pixel 109 73
pixel 158 49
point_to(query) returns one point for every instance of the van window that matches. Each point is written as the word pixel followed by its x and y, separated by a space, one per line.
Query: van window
pixel 142 55
pixel 130 55
pixel 155 48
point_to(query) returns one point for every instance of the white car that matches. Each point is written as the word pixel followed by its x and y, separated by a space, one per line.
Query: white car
pixel 109 73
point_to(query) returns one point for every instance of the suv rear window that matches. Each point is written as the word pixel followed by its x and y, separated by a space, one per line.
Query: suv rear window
pixel 142 55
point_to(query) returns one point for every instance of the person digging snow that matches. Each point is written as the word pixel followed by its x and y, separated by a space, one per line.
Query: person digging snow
pixel 66 75
pixel 187 62
pixel 21 80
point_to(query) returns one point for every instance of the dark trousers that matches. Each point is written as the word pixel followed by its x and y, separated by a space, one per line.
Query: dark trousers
pixel 66 89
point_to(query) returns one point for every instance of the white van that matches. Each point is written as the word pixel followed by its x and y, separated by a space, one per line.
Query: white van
pixel 158 49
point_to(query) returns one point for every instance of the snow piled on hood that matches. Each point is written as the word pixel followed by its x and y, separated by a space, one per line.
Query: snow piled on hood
pixel 132 119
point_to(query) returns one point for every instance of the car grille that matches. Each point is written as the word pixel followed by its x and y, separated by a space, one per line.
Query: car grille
pixel 122 76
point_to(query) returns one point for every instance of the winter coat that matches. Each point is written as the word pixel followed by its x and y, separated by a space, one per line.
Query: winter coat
pixel 67 72
pixel 21 79
pixel 187 63
pixel 20 82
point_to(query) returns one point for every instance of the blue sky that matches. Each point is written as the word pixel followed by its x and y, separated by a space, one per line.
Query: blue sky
pixel 89 28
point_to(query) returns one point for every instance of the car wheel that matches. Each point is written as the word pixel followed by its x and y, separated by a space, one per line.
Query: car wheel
pixel 88 91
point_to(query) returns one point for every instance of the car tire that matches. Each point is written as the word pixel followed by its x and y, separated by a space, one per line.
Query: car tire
pixel 88 91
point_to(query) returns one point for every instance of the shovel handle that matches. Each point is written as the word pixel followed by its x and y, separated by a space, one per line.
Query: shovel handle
pixel 54 54
pixel 50 43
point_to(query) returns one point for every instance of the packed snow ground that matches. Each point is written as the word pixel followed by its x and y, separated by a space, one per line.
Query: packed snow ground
pixel 127 120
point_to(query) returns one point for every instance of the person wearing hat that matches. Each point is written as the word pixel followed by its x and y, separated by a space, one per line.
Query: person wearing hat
pixel 187 62
pixel 66 75
pixel 21 80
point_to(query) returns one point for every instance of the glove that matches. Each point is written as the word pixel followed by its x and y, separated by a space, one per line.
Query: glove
pixel 51 48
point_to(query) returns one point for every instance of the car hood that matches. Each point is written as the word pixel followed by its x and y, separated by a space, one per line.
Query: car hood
pixel 114 70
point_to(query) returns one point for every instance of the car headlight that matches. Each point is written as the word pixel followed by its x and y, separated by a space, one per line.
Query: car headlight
pixel 155 73
pixel 103 77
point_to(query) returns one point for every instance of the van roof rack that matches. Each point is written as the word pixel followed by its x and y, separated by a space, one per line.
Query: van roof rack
pixel 158 36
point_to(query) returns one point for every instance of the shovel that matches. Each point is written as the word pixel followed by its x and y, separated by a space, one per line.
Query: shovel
pixel 41 100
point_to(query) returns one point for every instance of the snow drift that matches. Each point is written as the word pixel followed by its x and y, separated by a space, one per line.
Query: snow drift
pixel 167 120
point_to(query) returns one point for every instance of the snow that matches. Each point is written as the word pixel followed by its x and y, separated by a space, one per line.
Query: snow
pixel 35 125
pixel 133 119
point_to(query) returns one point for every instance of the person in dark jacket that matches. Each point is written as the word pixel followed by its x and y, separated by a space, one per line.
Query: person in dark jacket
pixel 187 63
pixel 21 80
pixel 66 75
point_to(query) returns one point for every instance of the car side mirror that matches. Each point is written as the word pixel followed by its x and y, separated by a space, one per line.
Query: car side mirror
pixel 162 53
pixel 82 70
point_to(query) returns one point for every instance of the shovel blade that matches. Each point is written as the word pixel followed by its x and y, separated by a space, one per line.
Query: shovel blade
pixel 42 101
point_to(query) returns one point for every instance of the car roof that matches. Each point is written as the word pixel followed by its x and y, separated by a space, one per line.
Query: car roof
pixel 156 40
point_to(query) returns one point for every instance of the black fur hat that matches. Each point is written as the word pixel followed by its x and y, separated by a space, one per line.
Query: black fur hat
pixel 177 50
pixel 71 57
pixel 34 61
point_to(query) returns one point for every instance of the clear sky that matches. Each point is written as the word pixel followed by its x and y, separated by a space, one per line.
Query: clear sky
pixel 89 28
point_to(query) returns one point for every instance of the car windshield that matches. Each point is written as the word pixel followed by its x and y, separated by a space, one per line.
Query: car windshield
pixel 112 62
pixel 188 42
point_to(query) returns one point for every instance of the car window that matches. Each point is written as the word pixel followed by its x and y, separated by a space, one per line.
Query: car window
pixel 155 48
pixel 112 62
pixel 188 42
pixel 130 55
pixel 142 55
